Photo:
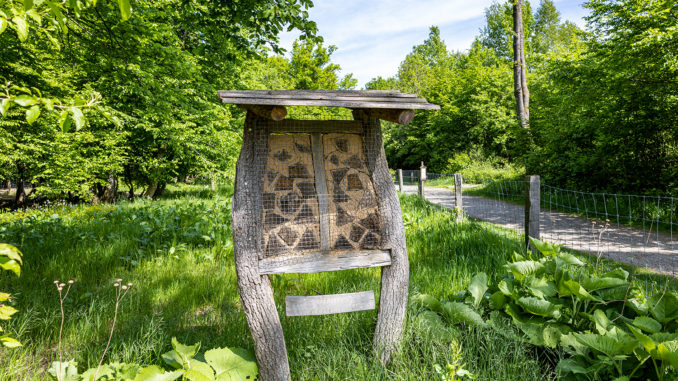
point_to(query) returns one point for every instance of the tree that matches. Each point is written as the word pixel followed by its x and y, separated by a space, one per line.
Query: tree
pixel 520 89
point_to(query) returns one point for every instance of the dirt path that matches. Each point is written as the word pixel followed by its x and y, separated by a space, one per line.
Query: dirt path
pixel 641 247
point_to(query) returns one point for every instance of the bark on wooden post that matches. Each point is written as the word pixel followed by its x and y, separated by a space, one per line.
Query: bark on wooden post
pixel 394 278
pixel 422 179
pixel 256 293
pixel 400 180
pixel 458 205
pixel 532 202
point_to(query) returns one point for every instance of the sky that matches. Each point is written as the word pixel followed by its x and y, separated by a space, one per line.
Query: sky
pixel 374 36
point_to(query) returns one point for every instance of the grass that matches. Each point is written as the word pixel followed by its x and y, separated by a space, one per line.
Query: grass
pixel 178 253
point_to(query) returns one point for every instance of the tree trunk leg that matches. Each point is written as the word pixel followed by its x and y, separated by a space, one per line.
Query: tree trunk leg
pixel 394 278
pixel 256 293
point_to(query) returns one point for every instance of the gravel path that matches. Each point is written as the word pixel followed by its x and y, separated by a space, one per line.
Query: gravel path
pixel 641 247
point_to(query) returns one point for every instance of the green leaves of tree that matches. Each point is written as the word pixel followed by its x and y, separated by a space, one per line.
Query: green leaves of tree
pixel 10 259
pixel 125 9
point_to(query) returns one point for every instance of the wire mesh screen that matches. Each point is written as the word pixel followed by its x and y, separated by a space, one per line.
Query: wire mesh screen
pixel 318 193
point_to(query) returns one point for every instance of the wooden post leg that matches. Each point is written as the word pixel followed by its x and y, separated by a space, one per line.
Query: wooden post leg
pixel 256 293
pixel 532 204
pixel 459 205
pixel 400 180
pixel 394 278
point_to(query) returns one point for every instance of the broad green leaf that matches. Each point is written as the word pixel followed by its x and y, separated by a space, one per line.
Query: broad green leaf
pixel 665 354
pixel 32 114
pixel 506 287
pixel 613 293
pixel 605 344
pixel 461 313
pixel 576 289
pixel 661 337
pixel 64 371
pixel 4 105
pixel 155 373
pixel 104 372
pixel 545 248
pixel 551 336
pixel 663 307
pixel 25 100
pixel 28 4
pixel 233 363
pixel 11 252
pixel 542 288
pixel 199 372
pixel 539 307
pixel 601 320
pixel 10 265
pixel 6 312
pixel 3 24
pixel 9 342
pixel 594 283
pixel 125 9
pixel 478 287
pixel 570 259
pixel 523 268
pixel 618 273
pixel 639 306
pixel 187 351
pixel 78 118
pixel 533 331
pixel 497 301
pixel 426 301
pixel 644 340
pixel 64 121
pixel 647 324
pixel 3 297
pixel 570 365
pixel 21 27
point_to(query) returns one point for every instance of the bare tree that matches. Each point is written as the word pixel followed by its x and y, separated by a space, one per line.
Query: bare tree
pixel 520 90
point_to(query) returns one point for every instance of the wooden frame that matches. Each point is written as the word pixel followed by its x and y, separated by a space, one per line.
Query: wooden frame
pixel 252 267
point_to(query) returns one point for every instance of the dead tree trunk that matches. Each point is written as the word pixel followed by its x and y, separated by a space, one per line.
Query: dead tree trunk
pixel 111 190
pixel 520 90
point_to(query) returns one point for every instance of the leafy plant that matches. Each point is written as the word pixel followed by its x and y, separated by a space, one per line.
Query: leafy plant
pixel 606 326
pixel 10 260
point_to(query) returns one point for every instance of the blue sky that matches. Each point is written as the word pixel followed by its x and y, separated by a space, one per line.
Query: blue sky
pixel 373 36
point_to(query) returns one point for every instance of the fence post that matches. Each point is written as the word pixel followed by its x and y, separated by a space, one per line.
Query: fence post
pixel 400 180
pixel 532 202
pixel 458 204
pixel 422 179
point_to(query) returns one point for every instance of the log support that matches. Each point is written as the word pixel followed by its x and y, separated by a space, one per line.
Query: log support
pixel 392 115
pixel 276 113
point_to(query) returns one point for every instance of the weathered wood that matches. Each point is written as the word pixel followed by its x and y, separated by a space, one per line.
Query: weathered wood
pixel 422 179
pixel 393 115
pixel 323 261
pixel 304 93
pixel 329 304
pixel 459 204
pixel 314 126
pixel 256 294
pixel 400 180
pixel 532 204
pixel 520 90
pixel 276 113
pixel 325 97
pixel 357 104
pixel 321 188
pixel 394 278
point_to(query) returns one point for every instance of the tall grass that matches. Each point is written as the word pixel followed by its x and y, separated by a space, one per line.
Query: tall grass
pixel 178 253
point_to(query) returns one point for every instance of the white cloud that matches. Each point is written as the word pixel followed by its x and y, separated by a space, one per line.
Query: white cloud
pixel 373 37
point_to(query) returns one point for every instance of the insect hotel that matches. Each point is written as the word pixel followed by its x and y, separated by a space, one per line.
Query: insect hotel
pixel 315 196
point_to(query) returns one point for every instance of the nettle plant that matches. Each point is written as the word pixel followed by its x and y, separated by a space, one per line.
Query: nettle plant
pixel 602 324
pixel 10 260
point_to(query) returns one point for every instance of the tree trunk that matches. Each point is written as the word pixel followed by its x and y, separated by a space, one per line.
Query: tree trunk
pixel 20 197
pixel 111 190
pixel 520 90
pixel 212 184
pixel 150 191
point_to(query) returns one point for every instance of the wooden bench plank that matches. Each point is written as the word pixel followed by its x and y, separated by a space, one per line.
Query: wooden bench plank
pixel 329 304
pixel 321 262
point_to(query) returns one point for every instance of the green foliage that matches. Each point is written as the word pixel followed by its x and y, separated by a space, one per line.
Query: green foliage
pixel 605 324
pixel 10 260
pixel 221 364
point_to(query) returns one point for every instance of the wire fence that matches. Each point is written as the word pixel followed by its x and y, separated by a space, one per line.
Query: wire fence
pixel 639 230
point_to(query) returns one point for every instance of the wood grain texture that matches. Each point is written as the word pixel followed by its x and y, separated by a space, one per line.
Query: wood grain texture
pixel 302 93
pixel 256 294
pixel 314 126
pixel 403 117
pixel 353 103
pixel 321 187
pixel 276 113
pixel 400 180
pixel 329 304
pixel 323 261
pixel 459 203
pixel 394 278
pixel 532 204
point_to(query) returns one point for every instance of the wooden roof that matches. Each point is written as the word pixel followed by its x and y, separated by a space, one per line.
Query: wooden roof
pixel 374 99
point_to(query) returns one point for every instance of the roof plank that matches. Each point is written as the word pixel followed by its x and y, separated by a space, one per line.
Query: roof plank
pixel 331 103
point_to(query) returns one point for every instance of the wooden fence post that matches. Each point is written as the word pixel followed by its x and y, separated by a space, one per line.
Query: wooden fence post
pixel 532 202
pixel 422 179
pixel 400 180
pixel 459 205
